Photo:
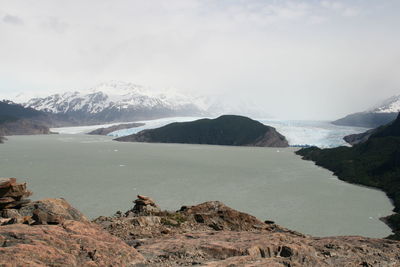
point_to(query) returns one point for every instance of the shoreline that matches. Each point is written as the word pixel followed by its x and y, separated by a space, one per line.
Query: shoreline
pixel 384 219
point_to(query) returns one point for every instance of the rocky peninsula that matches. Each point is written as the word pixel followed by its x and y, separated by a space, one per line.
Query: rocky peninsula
pixel 51 232
pixel 229 130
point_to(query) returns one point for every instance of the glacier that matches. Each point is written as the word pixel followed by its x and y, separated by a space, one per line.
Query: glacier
pixel 313 133
pixel 149 124
pixel 298 133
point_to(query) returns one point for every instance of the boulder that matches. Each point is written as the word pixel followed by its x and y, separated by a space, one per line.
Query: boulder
pixel 52 211
pixel 221 217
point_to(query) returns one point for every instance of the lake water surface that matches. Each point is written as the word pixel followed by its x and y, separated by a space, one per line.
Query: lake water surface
pixel 100 176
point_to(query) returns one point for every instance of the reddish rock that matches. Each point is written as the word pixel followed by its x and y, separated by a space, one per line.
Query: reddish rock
pixel 212 234
pixel 7 182
pixel 221 217
pixel 71 243
pixel 144 198
pixel 12 194
pixel 231 248
pixel 52 210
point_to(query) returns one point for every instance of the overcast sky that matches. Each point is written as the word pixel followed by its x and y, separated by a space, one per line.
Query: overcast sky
pixel 314 59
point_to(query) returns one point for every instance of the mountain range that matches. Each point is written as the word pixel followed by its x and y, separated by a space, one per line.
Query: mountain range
pixel 118 101
pixel 379 115
pixel 114 102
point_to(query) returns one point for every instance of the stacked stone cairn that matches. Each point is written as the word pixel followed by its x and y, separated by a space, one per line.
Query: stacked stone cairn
pixel 144 206
pixel 12 198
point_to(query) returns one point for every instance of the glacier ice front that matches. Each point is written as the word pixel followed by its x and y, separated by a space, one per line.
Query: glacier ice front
pixel 313 133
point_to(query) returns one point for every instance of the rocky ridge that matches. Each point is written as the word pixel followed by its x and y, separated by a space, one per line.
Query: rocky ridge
pixel 209 234
pixel 212 234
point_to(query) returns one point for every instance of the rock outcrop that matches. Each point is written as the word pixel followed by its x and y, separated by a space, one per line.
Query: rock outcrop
pixel 70 243
pixel 210 234
pixel 15 208
pixel 51 232
pixel 241 248
pixel 52 211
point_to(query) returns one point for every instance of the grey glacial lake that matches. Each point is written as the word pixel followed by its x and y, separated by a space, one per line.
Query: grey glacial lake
pixel 100 176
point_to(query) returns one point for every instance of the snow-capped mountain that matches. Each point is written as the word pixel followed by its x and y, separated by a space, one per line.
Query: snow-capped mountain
pixel 111 95
pixel 374 117
pixel 118 101
pixel 390 105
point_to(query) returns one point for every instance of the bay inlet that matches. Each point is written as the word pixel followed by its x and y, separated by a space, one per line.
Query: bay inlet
pixel 100 176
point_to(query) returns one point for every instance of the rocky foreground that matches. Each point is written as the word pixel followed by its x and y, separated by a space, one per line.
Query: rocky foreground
pixel 50 232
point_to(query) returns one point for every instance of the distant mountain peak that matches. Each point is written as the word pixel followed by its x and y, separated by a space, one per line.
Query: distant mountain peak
pixel 115 87
pixel 374 117
pixel 390 105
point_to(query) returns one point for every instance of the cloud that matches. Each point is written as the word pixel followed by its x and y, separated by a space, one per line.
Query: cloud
pixel 295 58
pixel 341 8
pixel 55 24
pixel 12 20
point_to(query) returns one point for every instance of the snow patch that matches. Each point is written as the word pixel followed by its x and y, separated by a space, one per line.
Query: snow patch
pixel 390 105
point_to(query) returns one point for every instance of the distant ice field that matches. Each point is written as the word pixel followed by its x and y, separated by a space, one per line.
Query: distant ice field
pixel 298 133
pixel 315 133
